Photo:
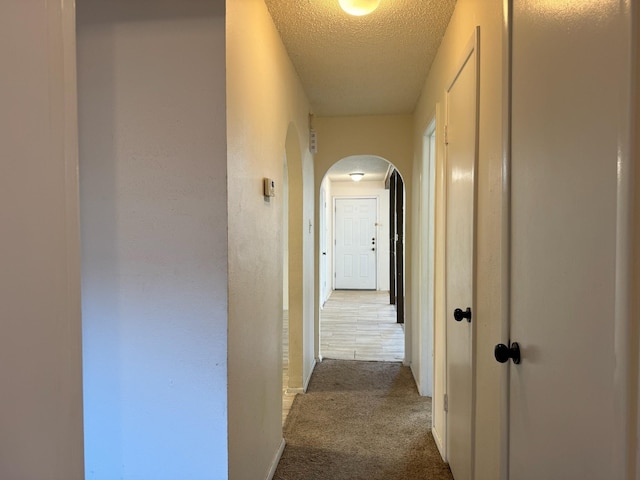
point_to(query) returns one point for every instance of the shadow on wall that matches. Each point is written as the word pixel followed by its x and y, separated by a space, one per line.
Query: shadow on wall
pixel 152 126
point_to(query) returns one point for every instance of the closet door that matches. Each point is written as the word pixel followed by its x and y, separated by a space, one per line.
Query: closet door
pixel 568 307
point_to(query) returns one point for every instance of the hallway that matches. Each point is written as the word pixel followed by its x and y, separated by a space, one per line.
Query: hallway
pixel 360 325
pixel 362 416
pixel 144 259
pixel 354 325
pixel 360 420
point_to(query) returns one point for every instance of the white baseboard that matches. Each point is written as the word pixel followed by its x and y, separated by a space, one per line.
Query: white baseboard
pixel 308 379
pixel 439 443
pixel 276 460
pixel 417 380
pixel 424 392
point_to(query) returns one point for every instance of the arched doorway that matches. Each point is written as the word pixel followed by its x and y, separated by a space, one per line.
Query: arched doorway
pixel 368 253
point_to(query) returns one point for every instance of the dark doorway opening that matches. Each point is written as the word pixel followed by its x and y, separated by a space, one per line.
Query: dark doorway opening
pixel 396 243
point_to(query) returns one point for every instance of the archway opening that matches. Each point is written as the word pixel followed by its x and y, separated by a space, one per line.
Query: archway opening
pixel 361 260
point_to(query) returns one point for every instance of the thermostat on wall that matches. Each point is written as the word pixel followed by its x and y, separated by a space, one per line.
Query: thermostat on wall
pixel 269 188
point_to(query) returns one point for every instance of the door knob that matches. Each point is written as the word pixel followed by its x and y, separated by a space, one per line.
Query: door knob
pixel 459 314
pixel 504 353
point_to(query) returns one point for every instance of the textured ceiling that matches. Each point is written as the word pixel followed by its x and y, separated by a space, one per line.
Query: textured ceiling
pixel 374 168
pixel 376 64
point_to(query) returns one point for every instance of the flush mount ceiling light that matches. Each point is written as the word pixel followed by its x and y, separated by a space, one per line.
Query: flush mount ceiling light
pixel 356 176
pixel 359 7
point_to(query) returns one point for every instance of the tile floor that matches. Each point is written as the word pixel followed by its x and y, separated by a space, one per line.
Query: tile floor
pixel 360 325
pixel 354 325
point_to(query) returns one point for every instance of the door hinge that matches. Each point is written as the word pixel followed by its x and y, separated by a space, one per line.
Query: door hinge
pixel 446 402
pixel 446 134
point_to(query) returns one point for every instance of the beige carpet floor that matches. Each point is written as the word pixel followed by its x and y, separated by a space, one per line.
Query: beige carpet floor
pixel 360 420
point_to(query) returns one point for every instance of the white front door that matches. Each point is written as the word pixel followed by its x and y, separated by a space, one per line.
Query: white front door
pixel 568 219
pixel 461 134
pixel 355 243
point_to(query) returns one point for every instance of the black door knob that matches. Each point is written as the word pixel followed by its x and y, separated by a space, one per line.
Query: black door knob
pixel 459 314
pixel 504 353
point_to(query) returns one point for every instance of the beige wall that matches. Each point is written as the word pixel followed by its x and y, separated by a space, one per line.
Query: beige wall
pixel 40 347
pixel 634 468
pixel 467 15
pixel 267 111
pixel 386 136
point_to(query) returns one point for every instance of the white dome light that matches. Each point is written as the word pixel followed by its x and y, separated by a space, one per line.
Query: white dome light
pixel 359 7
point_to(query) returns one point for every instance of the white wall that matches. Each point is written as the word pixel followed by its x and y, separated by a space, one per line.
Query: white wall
pixel 424 250
pixel 309 353
pixel 325 275
pixel 267 111
pixel 368 189
pixel 154 238
pixel 40 348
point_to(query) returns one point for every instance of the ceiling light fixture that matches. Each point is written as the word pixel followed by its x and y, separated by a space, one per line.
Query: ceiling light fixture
pixel 356 176
pixel 359 8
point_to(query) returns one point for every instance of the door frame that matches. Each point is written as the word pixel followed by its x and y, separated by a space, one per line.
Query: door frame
pixel 333 245
pixel 505 253
pixel 392 237
pixel 325 285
